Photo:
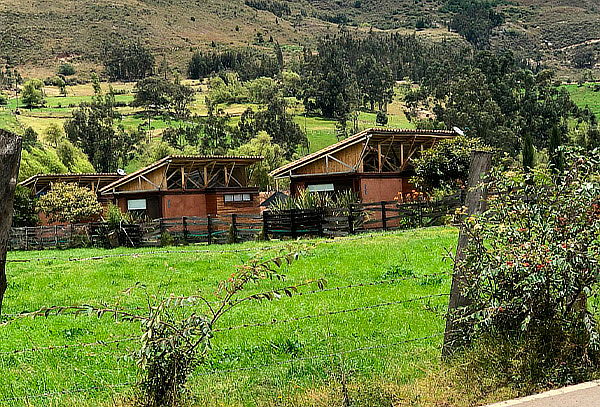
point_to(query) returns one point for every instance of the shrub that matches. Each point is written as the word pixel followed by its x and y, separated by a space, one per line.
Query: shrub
pixel 66 69
pixel 70 203
pixel 531 267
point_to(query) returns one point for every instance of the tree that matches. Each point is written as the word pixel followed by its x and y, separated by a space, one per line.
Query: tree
pixel 33 93
pixel 584 58
pixel 475 20
pixel 66 69
pixel 30 138
pixel 69 203
pixel 54 134
pixel 25 208
pixel 528 152
pixel 446 165
pixel 127 61
pixel 92 128
pixel 280 125
pixel 273 157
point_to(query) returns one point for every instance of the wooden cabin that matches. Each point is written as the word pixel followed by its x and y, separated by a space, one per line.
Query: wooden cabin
pixel 375 164
pixel 40 184
pixel 178 186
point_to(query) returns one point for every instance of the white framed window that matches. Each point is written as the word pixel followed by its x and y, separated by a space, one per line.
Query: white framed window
pixel 321 188
pixel 238 198
pixel 136 205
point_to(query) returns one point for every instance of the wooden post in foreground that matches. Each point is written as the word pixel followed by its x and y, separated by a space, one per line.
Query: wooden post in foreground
pixel 10 157
pixel 475 202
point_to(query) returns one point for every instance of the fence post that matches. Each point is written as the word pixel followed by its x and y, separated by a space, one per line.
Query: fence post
pixel 10 157
pixel 384 216
pixel 351 219
pixel 475 201
pixel 293 223
pixel 185 228
pixel 265 222
pixel 209 229
pixel 234 234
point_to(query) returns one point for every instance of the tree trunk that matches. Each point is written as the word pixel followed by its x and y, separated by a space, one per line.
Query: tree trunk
pixel 10 157
pixel 475 202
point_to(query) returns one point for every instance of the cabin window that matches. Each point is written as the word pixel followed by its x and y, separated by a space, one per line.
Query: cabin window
pixel 136 205
pixel 238 198
pixel 321 188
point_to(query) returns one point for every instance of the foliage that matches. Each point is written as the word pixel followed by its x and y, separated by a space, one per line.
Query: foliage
pixel 39 160
pixel 174 343
pixel 54 134
pixel 116 218
pixel 247 63
pixel 227 88
pixel 32 93
pixel 164 97
pixel 69 203
pixel 305 199
pixel 532 267
pixel 273 157
pixel 347 71
pixel 495 98
pixel 279 8
pixel 66 69
pixel 446 165
pixel 475 20
pixel 92 128
pixel 25 211
pixel 30 138
pixel 127 61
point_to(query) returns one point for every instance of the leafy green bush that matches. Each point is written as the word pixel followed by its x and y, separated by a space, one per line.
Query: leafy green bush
pixel 66 69
pixel 445 166
pixel 532 271
pixel 70 203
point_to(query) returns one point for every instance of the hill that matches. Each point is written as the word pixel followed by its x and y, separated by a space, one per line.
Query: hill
pixel 40 34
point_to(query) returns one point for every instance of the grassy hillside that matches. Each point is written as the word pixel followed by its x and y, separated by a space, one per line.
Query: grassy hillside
pixel 39 34
pixel 402 260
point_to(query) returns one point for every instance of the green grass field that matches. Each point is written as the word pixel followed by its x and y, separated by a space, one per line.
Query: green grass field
pixel 367 259
pixel 585 95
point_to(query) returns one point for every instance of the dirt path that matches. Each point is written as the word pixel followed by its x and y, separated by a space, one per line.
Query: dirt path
pixel 581 44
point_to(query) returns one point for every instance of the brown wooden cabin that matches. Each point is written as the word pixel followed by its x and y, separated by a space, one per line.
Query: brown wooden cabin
pixel 178 186
pixel 375 164
pixel 42 183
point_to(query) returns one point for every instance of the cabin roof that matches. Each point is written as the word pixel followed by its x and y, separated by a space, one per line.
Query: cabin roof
pixel 69 177
pixel 183 160
pixel 374 132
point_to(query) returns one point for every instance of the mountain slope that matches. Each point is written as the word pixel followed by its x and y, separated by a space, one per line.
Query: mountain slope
pixel 40 32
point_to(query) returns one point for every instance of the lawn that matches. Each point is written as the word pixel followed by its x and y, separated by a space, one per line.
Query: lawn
pixel 397 263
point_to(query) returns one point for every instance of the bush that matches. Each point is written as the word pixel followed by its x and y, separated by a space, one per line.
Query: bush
pixel 531 267
pixel 69 203
pixel 66 70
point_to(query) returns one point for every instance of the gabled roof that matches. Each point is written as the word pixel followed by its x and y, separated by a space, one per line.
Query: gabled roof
pixel 358 138
pixel 183 160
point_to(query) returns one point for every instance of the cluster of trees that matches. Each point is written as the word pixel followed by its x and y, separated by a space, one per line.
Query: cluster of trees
pixel 510 107
pixel 248 64
pixel 96 128
pixel 349 72
pixel 127 61
pixel 279 8
pixel 475 20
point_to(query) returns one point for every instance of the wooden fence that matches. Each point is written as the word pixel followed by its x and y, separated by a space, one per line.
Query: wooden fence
pixel 234 228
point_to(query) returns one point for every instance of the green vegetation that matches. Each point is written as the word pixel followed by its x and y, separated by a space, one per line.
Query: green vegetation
pixel 586 95
pixel 371 258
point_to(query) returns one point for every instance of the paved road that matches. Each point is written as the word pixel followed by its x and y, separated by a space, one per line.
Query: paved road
pixel 581 395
